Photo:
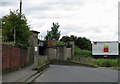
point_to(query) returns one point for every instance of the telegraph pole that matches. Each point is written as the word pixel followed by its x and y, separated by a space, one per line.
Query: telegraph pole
pixel 14 34
pixel 20 18
pixel 20 6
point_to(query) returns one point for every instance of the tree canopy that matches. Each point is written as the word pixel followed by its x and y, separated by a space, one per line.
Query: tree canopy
pixel 67 38
pixel 18 21
pixel 81 42
pixel 54 34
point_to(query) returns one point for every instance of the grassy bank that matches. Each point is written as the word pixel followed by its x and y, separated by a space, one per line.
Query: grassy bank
pixel 106 62
pixel 85 57
pixel 82 53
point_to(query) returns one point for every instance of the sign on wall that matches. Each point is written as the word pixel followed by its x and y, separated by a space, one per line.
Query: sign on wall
pixel 105 48
pixel 36 48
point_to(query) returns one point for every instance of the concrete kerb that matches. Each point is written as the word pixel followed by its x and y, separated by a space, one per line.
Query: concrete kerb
pixel 38 73
pixel 30 77
pixel 72 64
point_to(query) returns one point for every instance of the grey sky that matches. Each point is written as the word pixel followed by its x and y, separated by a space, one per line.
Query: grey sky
pixel 94 19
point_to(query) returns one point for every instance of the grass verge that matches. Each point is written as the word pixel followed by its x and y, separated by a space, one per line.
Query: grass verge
pixel 85 57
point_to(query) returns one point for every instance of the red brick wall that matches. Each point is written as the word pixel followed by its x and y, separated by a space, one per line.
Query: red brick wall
pixel 12 58
pixel 52 43
pixel 23 57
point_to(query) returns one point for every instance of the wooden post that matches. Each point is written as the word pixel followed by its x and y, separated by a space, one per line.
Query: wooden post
pixel 14 34
pixel 20 6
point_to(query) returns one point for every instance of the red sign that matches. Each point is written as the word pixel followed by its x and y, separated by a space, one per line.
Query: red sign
pixel 105 49
pixel 95 43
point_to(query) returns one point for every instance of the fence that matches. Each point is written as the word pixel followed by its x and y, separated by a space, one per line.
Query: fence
pixel 13 58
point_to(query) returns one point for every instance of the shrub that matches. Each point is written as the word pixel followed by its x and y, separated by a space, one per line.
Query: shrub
pixel 8 43
pixel 106 62
pixel 82 53
pixel 85 57
pixel 61 43
pixel 17 21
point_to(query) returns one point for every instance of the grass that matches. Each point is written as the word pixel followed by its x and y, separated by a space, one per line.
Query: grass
pixel 85 57
pixel 106 62
pixel 82 53
pixel 83 60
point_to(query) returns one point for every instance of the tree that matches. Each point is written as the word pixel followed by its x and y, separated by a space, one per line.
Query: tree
pixel 18 21
pixel 81 42
pixel 48 36
pixel 73 38
pixel 67 38
pixel 54 34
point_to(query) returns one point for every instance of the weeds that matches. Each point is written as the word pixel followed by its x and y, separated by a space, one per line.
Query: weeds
pixel 106 62
pixel 82 53
pixel 85 57
pixel 41 63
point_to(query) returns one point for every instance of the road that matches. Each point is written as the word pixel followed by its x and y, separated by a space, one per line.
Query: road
pixel 60 73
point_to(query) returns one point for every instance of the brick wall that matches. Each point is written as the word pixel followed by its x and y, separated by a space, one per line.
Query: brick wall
pixel 51 43
pixel 12 58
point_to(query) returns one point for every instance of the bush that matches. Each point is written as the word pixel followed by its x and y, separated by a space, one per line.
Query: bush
pixel 82 57
pixel 106 62
pixel 17 21
pixel 85 57
pixel 82 53
pixel 8 43
pixel 61 43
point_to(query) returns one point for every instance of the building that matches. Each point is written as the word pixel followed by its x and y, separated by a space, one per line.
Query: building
pixel 33 50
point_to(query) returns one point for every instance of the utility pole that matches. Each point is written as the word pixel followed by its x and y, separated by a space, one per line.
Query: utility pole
pixel 20 6
pixel 14 34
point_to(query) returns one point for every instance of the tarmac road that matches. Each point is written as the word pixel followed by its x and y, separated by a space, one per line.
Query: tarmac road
pixel 60 73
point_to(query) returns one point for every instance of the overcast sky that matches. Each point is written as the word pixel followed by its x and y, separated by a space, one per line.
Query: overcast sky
pixel 96 20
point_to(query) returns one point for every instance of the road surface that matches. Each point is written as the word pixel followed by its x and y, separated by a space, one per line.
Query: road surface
pixel 60 73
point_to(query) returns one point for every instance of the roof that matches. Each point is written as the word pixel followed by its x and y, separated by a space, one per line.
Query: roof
pixel 35 31
pixel 105 41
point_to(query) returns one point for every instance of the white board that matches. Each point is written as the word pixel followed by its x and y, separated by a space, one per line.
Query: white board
pixel 36 49
pixel 98 48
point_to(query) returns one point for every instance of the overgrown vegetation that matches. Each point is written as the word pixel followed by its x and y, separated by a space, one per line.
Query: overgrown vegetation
pixel 106 62
pixel 61 43
pixel 82 53
pixel 8 43
pixel 16 24
pixel 85 57
pixel 81 42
